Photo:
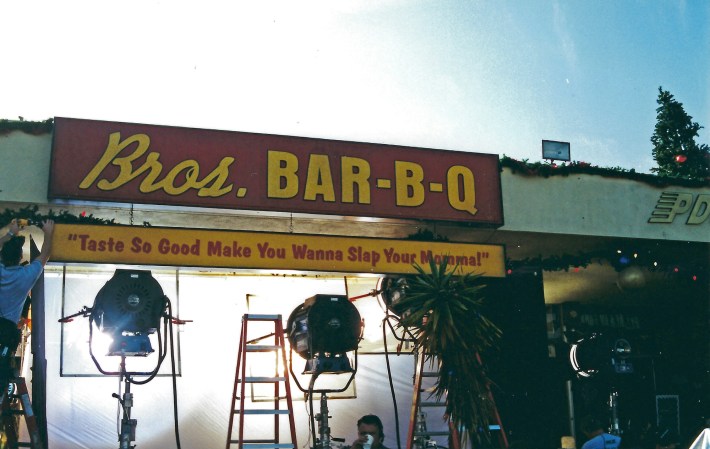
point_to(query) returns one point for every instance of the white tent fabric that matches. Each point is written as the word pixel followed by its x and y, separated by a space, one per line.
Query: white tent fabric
pixel 81 412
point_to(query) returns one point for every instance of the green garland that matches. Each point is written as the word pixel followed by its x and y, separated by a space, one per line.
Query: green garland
pixel 675 263
pixel 679 267
pixel 32 214
pixel 547 169
pixel 29 127
pixel 426 235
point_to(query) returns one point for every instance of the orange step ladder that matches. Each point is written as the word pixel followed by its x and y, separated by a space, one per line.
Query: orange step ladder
pixel 280 378
pixel 17 403
pixel 421 431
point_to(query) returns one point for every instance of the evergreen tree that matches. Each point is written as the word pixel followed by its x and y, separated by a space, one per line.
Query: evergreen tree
pixel 674 147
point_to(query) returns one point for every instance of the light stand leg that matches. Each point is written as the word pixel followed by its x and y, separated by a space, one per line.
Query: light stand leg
pixel 614 410
pixel 128 425
pixel 323 427
pixel 421 442
pixel 569 392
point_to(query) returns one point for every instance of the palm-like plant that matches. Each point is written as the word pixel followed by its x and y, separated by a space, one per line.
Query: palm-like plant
pixel 445 320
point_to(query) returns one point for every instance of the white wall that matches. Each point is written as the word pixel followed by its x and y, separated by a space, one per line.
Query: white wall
pixel 594 206
pixel 82 414
pixel 24 167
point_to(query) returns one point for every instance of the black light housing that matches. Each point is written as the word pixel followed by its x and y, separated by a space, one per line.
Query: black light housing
pixel 322 330
pixel 392 291
pixel 128 307
pixel 600 353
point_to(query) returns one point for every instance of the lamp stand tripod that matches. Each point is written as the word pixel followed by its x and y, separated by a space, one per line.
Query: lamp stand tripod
pixel 323 440
pixel 323 426
pixel 128 425
pixel 614 427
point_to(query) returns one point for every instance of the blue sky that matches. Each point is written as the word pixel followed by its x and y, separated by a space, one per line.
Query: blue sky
pixel 481 76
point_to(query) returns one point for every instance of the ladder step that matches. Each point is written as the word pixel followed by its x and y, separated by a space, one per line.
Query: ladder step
pixel 431 434
pixel 265 412
pixel 263 445
pixel 18 403
pixel 263 348
pixel 264 380
pixel 267 446
pixel 432 404
pixel 270 343
pixel 253 317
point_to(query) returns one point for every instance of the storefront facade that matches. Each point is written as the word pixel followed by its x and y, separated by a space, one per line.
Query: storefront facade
pixel 309 216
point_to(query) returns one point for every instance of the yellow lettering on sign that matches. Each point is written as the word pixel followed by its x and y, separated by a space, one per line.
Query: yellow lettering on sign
pixel 319 180
pixel 461 189
pixel 355 172
pixel 213 185
pixel 262 250
pixel 409 187
pixel 115 146
pixel 282 181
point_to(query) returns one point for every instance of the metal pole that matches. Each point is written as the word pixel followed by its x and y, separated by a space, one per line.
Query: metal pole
pixel 127 428
pixel 570 408
pixel 324 427
pixel 614 409
pixel 128 425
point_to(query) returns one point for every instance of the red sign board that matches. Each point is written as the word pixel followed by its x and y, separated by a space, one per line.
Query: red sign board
pixel 126 162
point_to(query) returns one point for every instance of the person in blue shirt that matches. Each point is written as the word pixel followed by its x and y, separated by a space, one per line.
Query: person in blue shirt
pixel 16 282
pixel 596 437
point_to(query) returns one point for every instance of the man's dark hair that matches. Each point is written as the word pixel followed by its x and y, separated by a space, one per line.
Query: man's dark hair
pixel 591 424
pixel 11 253
pixel 372 420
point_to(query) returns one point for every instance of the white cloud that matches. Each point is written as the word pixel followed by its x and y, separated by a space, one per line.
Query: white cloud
pixel 565 38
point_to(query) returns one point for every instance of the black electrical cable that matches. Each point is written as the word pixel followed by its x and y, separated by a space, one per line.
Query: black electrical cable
pixel 386 319
pixel 174 377
pixel 310 404
pixel 162 344
pixel 167 329
pixel 389 377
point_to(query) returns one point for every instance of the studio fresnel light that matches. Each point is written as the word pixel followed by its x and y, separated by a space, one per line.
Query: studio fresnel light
pixel 129 308
pixel 600 353
pixel 322 330
pixel 392 291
